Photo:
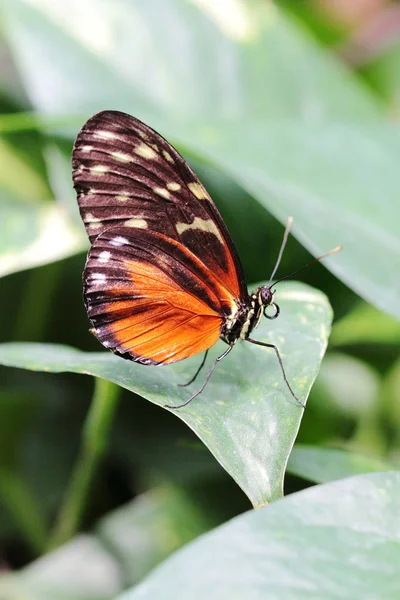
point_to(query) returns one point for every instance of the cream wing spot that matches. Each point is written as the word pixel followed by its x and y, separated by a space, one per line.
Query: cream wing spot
pixel 162 192
pixel 122 197
pixel 122 157
pixel 89 218
pixel 138 223
pixel 97 225
pixel 173 186
pixel 167 156
pixel 145 151
pixel 207 225
pixel 198 190
pixel 103 134
pixel 98 169
pixel 86 148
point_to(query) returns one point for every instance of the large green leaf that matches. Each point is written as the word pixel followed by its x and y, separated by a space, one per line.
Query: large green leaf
pixel 236 60
pixel 338 540
pixel 246 415
pixel 287 122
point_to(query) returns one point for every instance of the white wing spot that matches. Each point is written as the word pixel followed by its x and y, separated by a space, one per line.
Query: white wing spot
pixel 106 135
pixel 122 197
pixel 138 223
pixel 167 156
pixel 207 225
pixel 98 277
pixel 86 148
pixel 162 192
pixel 119 241
pixel 122 157
pixel 145 151
pixel 174 187
pixel 104 256
pixel 98 169
pixel 198 190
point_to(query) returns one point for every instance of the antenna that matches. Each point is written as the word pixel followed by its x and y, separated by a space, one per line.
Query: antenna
pixel 337 249
pixel 285 237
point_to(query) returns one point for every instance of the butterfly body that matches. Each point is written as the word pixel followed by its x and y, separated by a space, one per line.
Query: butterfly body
pixel 239 325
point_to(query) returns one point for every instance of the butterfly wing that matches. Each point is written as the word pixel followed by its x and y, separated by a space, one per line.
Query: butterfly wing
pixel 150 299
pixel 126 174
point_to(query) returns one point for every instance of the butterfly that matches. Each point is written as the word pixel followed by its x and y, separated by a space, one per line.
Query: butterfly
pixel 163 280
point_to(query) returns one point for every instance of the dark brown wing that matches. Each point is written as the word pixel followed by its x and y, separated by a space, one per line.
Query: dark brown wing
pixel 126 174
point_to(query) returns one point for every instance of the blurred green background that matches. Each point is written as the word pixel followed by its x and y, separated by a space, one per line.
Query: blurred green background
pixel 281 109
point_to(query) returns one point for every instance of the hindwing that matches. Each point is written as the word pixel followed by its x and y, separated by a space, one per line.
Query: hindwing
pixel 150 299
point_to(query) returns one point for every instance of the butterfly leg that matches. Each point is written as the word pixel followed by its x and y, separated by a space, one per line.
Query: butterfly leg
pixel 216 361
pixel 197 372
pixel 265 345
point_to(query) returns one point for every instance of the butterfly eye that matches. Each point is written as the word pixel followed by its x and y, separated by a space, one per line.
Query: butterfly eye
pixel 275 308
pixel 267 295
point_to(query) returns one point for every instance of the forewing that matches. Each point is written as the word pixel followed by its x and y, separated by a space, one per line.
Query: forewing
pixel 126 174
pixel 150 299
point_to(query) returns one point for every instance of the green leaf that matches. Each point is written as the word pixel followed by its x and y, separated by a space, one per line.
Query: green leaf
pixel 61 576
pixel 125 546
pixel 35 234
pixel 328 464
pixel 365 325
pixel 17 175
pixel 338 540
pixel 33 230
pixel 246 415
pixel 201 61
pixel 148 529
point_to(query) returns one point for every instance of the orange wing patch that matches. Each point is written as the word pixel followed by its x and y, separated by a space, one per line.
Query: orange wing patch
pixel 161 324
pixel 141 312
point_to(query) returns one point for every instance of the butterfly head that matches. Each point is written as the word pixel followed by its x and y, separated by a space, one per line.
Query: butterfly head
pixel 266 299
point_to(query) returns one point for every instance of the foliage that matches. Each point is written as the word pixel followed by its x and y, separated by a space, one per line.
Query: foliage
pixel 258 98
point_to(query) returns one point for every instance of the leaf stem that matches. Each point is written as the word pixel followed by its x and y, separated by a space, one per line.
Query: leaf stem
pixel 95 437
